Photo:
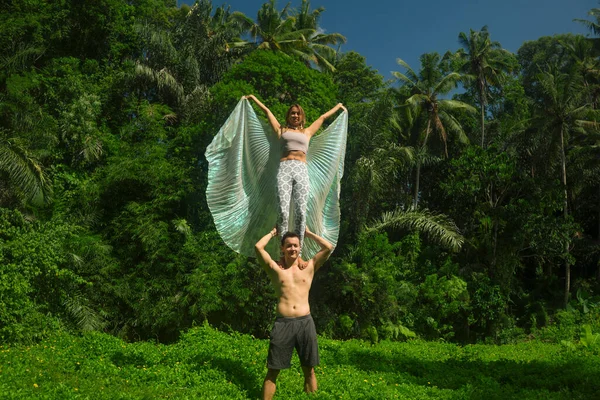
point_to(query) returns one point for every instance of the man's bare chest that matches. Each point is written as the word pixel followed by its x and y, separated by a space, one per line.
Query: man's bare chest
pixel 293 278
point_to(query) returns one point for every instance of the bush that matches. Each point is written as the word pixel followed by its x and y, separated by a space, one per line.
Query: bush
pixel 443 303
pixel 36 276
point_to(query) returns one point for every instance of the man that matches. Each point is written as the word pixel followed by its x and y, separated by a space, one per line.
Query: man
pixel 294 327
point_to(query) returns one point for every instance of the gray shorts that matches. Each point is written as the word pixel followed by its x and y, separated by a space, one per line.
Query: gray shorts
pixel 289 333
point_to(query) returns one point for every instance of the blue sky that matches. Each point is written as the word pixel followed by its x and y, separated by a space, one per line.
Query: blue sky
pixel 384 30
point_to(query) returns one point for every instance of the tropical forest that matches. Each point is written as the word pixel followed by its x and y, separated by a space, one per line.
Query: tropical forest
pixel 468 258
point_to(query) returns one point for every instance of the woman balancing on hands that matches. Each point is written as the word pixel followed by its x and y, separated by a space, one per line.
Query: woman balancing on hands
pixel 292 175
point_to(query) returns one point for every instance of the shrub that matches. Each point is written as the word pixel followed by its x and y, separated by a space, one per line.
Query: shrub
pixel 36 276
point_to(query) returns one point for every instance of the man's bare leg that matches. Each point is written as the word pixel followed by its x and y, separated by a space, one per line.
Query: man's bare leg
pixel 310 379
pixel 269 386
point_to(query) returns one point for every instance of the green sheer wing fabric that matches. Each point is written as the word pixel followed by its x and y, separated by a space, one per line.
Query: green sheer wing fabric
pixel 242 165
pixel 325 159
pixel 242 187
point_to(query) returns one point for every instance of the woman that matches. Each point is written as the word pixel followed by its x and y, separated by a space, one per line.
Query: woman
pixel 244 160
pixel 292 175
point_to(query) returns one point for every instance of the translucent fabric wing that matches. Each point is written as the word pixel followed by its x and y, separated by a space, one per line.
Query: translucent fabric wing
pixel 325 159
pixel 242 167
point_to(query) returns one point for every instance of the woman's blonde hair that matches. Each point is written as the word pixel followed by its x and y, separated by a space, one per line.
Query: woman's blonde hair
pixel 302 115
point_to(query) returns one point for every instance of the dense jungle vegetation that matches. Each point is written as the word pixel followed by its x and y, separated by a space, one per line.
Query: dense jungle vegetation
pixel 470 200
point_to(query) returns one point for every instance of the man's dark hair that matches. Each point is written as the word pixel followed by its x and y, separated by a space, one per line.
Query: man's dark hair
pixel 289 235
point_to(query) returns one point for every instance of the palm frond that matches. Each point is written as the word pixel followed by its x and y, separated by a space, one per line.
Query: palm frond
pixel 409 71
pixel 20 58
pixel 454 105
pixel 86 319
pixel 454 126
pixel 163 79
pixel 25 172
pixel 403 78
pixel 437 227
pixel 592 26
pixel 447 83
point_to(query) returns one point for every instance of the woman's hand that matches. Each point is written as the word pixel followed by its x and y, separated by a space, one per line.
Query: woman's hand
pixel 272 120
pixel 311 130
pixel 342 107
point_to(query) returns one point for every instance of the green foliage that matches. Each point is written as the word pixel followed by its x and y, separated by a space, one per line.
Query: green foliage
pixel 568 325
pixel 381 290
pixel 535 55
pixel 438 227
pixel 369 287
pixel 443 303
pixel 206 363
pixel 298 35
pixel 589 339
pixel 38 273
pixel 397 332
pixel 279 81
pixel 353 72
pixel 107 108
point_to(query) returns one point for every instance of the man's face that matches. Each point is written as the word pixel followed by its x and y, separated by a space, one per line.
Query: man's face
pixel 291 247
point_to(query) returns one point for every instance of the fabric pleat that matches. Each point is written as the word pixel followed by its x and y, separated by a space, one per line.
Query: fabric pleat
pixel 243 159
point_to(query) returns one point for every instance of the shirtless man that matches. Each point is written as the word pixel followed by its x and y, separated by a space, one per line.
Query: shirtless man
pixel 294 326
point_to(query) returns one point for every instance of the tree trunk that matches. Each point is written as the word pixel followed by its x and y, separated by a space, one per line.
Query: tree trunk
pixel 493 203
pixel 566 214
pixel 482 127
pixel 418 172
pixel 482 104
pixel 417 177
pixel 598 272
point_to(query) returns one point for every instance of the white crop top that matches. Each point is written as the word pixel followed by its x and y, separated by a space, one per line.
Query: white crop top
pixel 294 141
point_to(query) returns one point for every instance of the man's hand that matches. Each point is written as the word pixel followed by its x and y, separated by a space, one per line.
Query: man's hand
pixel 302 264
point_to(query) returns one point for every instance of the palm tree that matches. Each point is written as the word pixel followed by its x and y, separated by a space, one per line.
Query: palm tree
pixel 562 114
pixel 319 43
pixel 485 62
pixel 178 65
pixel 273 29
pixel 296 35
pixel 594 27
pixel 585 60
pixel 209 40
pixel 425 90
pixel 374 159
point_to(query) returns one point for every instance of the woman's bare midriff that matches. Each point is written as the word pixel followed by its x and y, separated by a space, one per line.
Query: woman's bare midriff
pixel 294 155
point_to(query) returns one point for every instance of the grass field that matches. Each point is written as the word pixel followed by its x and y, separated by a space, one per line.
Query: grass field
pixel 208 364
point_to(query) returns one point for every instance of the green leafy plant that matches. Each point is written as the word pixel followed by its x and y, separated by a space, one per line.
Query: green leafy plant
pixel 589 339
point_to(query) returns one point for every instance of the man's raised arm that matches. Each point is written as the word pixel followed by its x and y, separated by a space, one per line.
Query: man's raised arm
pixel 263 256
pixel 323 254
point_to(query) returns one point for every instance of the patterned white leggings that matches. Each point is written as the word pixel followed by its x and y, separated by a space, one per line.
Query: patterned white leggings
pixel 292 181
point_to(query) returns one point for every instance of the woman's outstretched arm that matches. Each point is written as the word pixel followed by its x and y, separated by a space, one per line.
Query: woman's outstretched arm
pixel 314 127
pixel 272 120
